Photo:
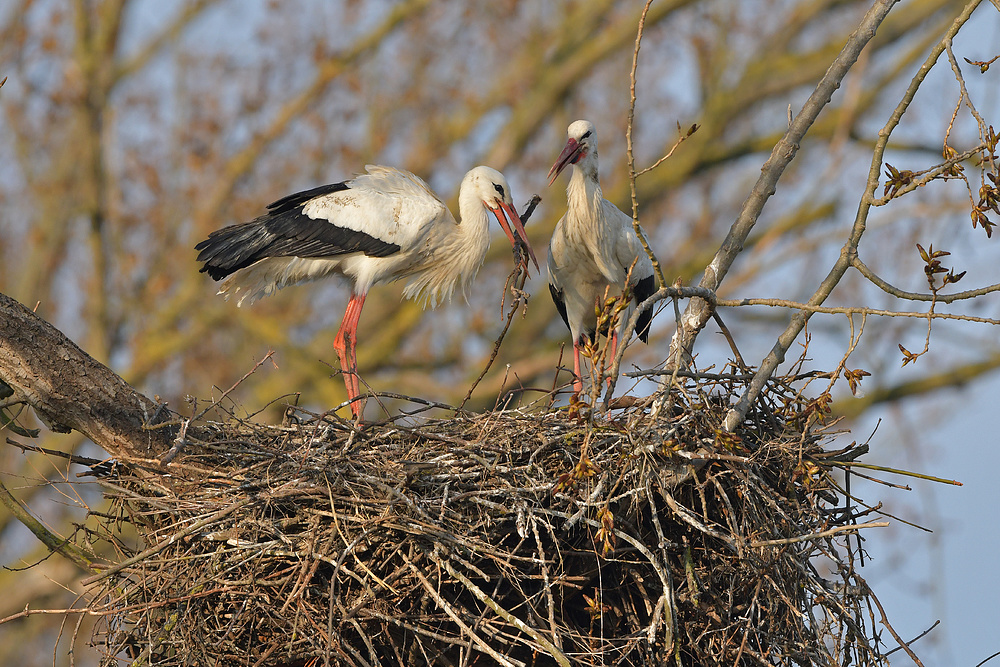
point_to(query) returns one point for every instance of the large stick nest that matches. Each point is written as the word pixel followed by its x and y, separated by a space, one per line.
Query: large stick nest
pixel 532 537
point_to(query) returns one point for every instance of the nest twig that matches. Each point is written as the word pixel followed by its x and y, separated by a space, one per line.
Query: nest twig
pixel 511 538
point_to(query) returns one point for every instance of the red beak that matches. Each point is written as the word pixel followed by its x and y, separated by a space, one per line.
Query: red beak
pixel 508 218
pixel 571 154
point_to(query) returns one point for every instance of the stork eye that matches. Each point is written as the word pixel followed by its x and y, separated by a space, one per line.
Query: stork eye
pixel 586 134
pixel 498 188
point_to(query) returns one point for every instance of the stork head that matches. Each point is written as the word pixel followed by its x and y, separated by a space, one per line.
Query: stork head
pixel 491 188
pixel 582 143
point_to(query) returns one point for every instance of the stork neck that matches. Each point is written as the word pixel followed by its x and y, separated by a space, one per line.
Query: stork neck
pixel 584 190
pixel 452 254
pixel 473 219
pixel 470 238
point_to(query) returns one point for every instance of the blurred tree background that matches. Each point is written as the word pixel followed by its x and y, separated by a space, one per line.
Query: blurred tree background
pixel 133 128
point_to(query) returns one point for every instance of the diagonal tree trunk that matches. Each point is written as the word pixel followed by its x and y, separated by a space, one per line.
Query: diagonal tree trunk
pixel 70 390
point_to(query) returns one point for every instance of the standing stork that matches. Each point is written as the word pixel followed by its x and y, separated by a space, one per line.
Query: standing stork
pixel 593 247
pixel 378 227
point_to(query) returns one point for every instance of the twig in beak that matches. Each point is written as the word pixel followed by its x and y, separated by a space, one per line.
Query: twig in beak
pixel 515 281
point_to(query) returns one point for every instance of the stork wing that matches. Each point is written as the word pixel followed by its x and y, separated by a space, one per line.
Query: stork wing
pixel 555 287
pixel 642 281
pixel 387 204
pixel 378 213
pixel 628 249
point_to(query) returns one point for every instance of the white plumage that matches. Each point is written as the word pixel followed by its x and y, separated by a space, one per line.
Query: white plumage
pixel 378 227
pixel 592 248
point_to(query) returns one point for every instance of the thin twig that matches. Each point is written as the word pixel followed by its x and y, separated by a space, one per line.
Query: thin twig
pixel 852 310
pixel 517 277
pixel 661 282
pixel 918 296
pixel 82 558
pixel 163 544
pixel 892 631
pixel 998 652
pixel 921 636
pixel 544 643
pixel 450 611
pixel 819 535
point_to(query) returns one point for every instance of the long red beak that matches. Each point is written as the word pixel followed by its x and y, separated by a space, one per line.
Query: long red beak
pixel 508 217
pixel 570 155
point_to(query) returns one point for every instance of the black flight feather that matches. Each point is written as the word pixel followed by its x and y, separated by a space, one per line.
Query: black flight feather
pixel 557 298
pixel 285 232
pixel 643 289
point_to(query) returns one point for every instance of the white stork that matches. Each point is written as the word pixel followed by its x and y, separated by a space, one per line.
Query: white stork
pixel 592 248
pixel 378 227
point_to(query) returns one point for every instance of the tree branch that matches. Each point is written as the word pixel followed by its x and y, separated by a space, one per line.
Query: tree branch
pixel 661 281
pixel 951 377
pixel 697 313
pixel 888 288
pixel 80 557
pixel 69 389
pixel 852 310
pixel 849 251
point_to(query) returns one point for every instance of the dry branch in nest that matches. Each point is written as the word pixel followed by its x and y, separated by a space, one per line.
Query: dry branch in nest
pixel 510 538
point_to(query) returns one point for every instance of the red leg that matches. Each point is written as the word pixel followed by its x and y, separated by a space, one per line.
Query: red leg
pixel 344 344
pixel 613 351
pixel 578 377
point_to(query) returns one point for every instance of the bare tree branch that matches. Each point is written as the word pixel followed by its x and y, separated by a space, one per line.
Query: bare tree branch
pixel 850 249
pixel 79 556
pixel 886 287
pixel 854 310
pixel 697 313
pixel 69 389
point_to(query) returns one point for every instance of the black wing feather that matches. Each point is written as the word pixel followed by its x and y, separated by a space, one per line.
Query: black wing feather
pixel 285 232
pixel 292 201
pixel 643 289
pixel 557 298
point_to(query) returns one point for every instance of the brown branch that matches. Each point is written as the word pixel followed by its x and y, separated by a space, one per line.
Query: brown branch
pixel 855 310
pixel 850 249
pixel 498 609
pixel 697 313
pixel 918 296
pixel 892 631
pixel 445 606
pixel 80 557
pixel 815 536
pixel 166 542
pixel 70 390
pixel 24 613
pixel 661 281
